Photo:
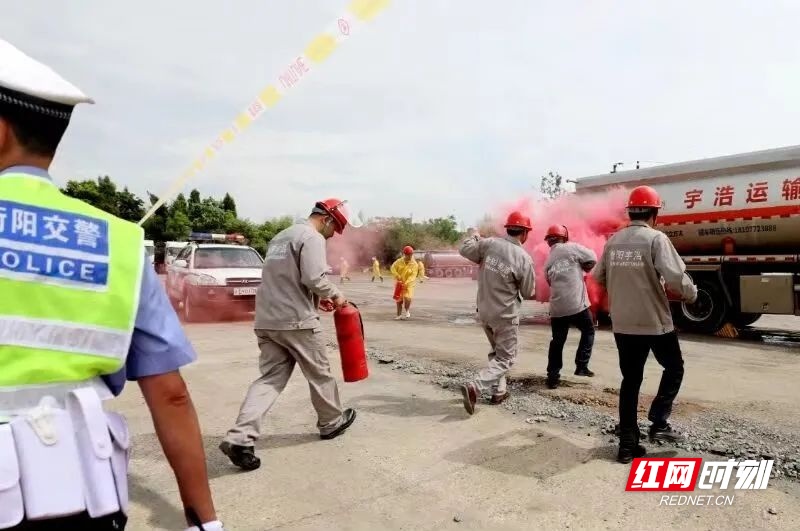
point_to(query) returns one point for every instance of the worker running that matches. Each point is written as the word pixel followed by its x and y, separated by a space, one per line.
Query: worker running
pixel 405 271
pixel 569 301
pixel 294 286
pixel 506 277
pixel 638 263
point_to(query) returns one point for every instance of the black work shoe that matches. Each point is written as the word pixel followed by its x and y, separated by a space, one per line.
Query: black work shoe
pixel 627 453
pixel 664 433
pixel 552 383
pixel 242 456
pixel 470 394
pixel 500 398
pixel 349 416
pixel 584 371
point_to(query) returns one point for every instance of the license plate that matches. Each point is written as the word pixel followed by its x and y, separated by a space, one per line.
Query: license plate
pixel 244 291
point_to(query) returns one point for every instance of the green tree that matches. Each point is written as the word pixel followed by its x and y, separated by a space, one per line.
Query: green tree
pixel 229 205
pixel 177 227
pixel 211 217
pixel 129 206
pixel 552 185
pixel 155 227
pixel 179 205
pixel 194 207
pixel 444 229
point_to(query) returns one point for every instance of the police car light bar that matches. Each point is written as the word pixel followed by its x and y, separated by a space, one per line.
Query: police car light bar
pixel 211 237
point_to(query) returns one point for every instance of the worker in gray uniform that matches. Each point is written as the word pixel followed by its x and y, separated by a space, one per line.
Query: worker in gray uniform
pixel 506 277
pixel 565 268
pixel 294 285
pixel 638 265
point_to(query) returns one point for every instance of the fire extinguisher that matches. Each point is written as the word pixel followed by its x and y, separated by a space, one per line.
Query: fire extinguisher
pixel 350 336
pixel 398 291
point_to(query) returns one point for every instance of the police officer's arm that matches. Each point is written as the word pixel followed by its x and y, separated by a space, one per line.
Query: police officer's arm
pixel 527 282
pixel 313 264
pixel 670 266
pixel 472 249
pixel 586 257
pixel 599 272
pixel 178 431
pixel 158 349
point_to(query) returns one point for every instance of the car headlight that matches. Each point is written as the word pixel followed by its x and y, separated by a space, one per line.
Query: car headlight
pixel 206 280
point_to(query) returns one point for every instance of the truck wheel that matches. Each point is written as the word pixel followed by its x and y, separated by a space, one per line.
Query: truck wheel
pixel 438 273
pixel 708 313
pixel 742 319
pixel 448 273
pixel 458 273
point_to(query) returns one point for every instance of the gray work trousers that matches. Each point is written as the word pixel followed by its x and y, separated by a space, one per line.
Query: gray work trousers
pixel 280 351
pixel 503 339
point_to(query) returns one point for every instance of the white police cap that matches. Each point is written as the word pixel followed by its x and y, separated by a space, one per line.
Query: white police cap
pixel 27 83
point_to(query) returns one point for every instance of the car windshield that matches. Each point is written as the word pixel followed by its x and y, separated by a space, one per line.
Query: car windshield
pixel 149 249
pixel 173 251
pixel 219 258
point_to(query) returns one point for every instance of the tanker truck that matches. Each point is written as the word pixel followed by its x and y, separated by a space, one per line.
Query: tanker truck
pixel 735 220
pixel 447 264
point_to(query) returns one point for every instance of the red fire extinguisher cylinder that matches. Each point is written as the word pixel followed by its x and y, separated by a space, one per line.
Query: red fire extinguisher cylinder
pixel 352 349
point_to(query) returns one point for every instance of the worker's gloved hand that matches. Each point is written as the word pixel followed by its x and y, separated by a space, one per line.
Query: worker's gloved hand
pixel 216 525
pixel 339 301
pixel 326 305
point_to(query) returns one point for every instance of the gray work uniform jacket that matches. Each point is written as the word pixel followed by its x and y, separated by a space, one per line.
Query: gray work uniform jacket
pixel 564 272
pixel 293 280
pixel 634 262
pixel 506 277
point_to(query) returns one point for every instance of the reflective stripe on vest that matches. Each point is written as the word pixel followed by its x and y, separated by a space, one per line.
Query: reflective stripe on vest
pixel 70 276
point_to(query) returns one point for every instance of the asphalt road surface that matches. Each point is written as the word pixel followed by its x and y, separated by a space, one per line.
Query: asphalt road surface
pixel 414 460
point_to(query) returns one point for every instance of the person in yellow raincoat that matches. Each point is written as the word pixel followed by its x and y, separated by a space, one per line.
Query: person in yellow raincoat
pixel 421 275
pixel 376 269
pixel 405 271
pixel 344 270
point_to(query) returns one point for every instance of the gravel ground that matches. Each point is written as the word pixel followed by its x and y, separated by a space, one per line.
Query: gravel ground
pixel 711 431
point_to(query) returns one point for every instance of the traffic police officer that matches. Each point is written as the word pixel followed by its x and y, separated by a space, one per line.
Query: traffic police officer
pixel 564 270
pixel 506 278
pixel 638 262
pixel 293 286
pixel 81 311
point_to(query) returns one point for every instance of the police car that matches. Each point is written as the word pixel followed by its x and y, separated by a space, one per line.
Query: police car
pixel 213 279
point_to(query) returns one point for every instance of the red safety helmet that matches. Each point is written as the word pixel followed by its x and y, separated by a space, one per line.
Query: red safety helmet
pixel 557 231
pixel 644 197
pixel 336 209
pixel 518 220
pixel 408 250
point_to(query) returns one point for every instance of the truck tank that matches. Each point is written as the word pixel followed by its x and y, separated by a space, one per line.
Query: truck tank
pixel 447 264
pixel 737 204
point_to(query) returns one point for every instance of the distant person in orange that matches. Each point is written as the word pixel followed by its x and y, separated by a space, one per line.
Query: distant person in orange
pixel 405 271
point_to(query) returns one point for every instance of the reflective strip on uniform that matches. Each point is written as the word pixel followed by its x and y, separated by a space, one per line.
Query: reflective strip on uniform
pixel 65 337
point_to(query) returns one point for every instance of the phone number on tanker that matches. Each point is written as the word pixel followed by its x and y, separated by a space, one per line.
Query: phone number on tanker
pixel 737 230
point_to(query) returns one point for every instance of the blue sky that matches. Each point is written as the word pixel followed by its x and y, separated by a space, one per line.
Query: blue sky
pixel 435 108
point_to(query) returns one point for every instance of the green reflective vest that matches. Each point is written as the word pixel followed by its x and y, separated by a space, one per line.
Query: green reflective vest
pixel 69 285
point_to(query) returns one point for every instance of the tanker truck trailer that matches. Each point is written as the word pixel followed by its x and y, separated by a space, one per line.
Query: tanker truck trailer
pixel 735 220
pixel 447 264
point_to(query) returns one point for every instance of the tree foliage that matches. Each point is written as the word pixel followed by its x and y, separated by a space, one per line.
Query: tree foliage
pixel 174 221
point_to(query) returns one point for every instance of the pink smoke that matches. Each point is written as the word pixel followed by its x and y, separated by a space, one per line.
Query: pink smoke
pixel 357 246
pixel 589 218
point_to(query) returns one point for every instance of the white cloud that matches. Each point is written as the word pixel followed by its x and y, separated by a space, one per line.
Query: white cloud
pixel 437 107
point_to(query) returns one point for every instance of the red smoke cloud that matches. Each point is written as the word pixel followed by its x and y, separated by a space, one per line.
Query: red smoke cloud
pixel 589 218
